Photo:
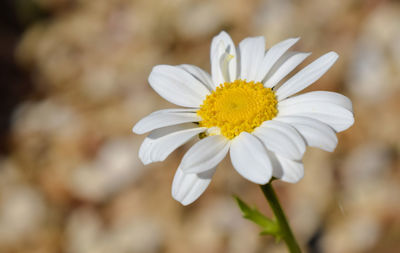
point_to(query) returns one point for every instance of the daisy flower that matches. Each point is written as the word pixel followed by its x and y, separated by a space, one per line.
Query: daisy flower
pixel 243 108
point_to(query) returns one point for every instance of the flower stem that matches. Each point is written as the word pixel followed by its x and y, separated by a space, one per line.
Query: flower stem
pixel 281 218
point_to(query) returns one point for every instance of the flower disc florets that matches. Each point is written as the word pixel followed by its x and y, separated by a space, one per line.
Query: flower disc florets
pixel 239 106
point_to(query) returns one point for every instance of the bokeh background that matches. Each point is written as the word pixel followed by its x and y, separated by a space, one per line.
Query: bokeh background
pixel 74 82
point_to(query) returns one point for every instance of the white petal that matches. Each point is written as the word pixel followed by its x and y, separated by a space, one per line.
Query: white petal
pixel 249 158
pixel 223 59
pixel 307 76
pixel 205 154
pixel 315 133
pixel 186 188
pixel 177 86
pixel 163 118
pixel 288 62
pixel 199 74
pixel 272 56
pixel 162 142
pixel 285 169
pixel 281 138
pixel 335 116
pixel 251 52
pixel 320 96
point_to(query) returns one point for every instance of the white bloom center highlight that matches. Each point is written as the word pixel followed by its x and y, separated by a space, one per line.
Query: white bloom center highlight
pixel 238 106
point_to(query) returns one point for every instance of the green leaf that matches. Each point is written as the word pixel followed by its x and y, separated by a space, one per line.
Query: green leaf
pixel 269 226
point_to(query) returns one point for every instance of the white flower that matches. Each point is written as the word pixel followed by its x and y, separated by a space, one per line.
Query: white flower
pixel 243 108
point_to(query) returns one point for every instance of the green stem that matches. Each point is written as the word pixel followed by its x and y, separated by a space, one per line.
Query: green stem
pixel 281 218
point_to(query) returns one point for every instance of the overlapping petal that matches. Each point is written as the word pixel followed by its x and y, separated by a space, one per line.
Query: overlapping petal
pixel 251 51
pixel 315 133
pixel 286 64
pixel 160 143
pixel 187 187
pixel 177 86
pixel 272 56
pixel 205 154
pixel 250 159
pixel 200 75
pixel 286 169
pixel 320 96
pixel 163 118
pixel 307 76
pixel 281 138
pixel 335 116
pixel 223 59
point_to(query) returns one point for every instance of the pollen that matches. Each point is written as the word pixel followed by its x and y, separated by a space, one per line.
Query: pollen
pixel 239 106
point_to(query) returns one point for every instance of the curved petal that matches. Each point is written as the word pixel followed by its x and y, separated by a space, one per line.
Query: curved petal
pixel 272 56
pixel 286 169
pixel 223 59
pixel 163 118
pixel 335 116
pixel 186 188
pixel 320 96
pixel 315 133
pixel 288 62
pixel 281 138
pixel 199 74
pixel 250 159
pixel 251 51
pixel 306 76
pixel 162 142
pixel 205 154
pixel 177 86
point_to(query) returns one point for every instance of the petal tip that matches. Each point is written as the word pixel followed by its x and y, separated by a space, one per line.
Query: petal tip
pixel 333 55
pixel 185 202
pixel 175 196
pixel 136 129
pixel 330 149
pixel 153 71
pixel 293 180
pixel 143 158
pixel 351 121
pixel 223 32
pixel 262 182
pixel 181 198
pixel 145 162
pixel 293 40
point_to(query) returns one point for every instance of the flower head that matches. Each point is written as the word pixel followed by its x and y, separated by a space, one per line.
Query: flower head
pixel 237 107
pixel 245 109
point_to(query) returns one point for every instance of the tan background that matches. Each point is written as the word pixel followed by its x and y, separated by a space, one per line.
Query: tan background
pixel 71 181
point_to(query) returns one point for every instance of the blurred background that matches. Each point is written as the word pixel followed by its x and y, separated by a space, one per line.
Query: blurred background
pixel 74 82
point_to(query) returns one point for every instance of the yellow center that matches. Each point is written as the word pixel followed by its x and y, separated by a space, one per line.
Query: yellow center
pixel 238 107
